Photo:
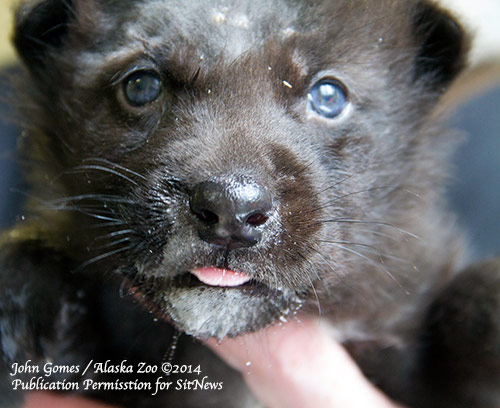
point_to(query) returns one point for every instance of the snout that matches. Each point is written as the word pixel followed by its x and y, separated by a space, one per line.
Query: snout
pixel 231 212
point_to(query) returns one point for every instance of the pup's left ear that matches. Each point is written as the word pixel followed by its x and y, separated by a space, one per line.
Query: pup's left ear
pixel 442 45
pixel 40 29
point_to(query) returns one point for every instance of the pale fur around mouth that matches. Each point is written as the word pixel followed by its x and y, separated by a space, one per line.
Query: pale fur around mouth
pixel 205 311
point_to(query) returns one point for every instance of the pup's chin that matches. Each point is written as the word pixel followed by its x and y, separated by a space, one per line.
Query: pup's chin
pixel 212 302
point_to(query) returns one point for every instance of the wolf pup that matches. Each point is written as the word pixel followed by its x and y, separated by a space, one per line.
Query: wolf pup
pixel 213 167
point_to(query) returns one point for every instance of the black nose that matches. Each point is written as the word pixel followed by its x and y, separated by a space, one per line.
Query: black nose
pixel 230 211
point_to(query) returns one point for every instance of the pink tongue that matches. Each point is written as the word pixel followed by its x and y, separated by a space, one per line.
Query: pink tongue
pixel 220 277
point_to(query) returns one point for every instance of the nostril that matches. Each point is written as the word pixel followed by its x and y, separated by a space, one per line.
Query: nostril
pixel 256 219
pixel 207 216
pixel 227 211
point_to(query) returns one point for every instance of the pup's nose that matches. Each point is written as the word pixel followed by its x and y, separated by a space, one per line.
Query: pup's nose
pixel 231 211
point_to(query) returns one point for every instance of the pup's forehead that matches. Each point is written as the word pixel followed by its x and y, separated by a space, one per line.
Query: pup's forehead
pixel 232 25
pixel 215 28
pixel 322 33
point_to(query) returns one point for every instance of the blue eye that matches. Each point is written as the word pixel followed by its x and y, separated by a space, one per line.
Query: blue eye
pixel 328 98
pixel 142 87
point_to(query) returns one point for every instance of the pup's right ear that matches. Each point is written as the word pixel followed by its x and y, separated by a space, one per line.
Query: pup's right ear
pixel 40 30
pixel 442 44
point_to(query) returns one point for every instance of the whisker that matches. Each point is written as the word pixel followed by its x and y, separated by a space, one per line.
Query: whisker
pixel 378 233
pixel 100 197
pixel 102 256
pixel 370 261
pixel 85 211
pixel 340 277
pixel 81 169
pixel 273 271
pixel 367 246
pixel 105 225
pixel 334 200
pixel 93 215
pixel 320 313
pixel 27 195
pixel 314 270
pixel 101 160
pixel 114 234
pixel 82 209
pixel 114 243
pixel 384 224
pixel 333 185
pixel 338 198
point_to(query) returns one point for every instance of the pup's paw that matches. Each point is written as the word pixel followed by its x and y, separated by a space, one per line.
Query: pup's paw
pixel 461 342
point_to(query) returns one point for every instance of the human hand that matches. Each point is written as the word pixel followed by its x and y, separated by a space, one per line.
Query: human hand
pixel 299 366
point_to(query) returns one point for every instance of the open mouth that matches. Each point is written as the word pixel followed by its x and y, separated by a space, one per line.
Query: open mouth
pixel 224 279
pixel 220 277
pixel 215 302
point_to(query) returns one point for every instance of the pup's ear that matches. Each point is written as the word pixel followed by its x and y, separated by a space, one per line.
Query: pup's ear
pixel 442 44
pixel 40 29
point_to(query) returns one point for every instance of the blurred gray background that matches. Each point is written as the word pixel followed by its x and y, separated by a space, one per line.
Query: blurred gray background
pixel 474 194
